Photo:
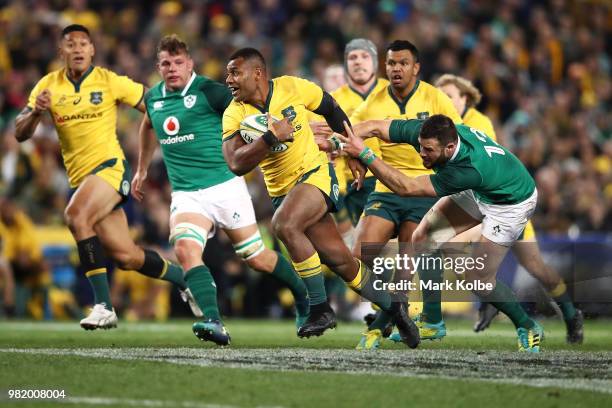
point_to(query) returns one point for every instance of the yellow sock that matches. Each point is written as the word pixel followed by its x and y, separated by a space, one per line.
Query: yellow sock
pixel 310 272
pixel 308 267
pixel 558 290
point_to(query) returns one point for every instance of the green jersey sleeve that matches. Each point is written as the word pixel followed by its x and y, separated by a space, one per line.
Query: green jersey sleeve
pixel 218 95
pixel 453 179
pixel 406 131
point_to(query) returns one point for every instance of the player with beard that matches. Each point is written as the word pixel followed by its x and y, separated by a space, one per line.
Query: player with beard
pixel 300 181
pixel 386 214
pixel 361 68
pixel 465 97
pixel 480 181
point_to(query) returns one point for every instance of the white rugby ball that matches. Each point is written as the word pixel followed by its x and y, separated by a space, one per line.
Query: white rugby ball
pixel 253 127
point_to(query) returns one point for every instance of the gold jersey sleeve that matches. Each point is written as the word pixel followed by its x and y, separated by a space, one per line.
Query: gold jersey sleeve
pixel 478 120
pixel 288 97
pixel 85 116
pixel 424 101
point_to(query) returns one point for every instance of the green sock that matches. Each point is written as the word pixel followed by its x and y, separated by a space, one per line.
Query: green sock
pixel 156 267
pixel 99 284
pixel 504 300
pixel 433 272
pixel 204 290
pixel 93 261
pixel 363 284
pixel 563 299
pixel 284 272
pixel 309 271
pixel 174 273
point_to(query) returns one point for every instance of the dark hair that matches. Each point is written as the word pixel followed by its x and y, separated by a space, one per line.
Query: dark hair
pixel 400 45
pixel 75 27
pixel 173 45
pixel 440 127
pixel 249 54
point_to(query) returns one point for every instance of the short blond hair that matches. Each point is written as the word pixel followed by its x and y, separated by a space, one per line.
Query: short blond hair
pixel 465 86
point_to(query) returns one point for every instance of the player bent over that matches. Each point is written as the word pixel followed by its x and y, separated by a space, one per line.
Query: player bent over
pixel 300 181
pixel 465 97
pixel 82 100
pixel 479 182
pixel 183 114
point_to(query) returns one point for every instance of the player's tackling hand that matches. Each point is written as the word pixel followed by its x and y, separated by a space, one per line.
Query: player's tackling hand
pixel 138 185
pixel 43 102
pixel 352 145
pixel 282 129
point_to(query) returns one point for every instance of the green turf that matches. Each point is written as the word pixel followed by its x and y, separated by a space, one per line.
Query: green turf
pixel 150 364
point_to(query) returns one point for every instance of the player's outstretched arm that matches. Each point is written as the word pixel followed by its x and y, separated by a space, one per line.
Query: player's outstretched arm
pixel 398 182
pixel 373 128
pixel 146 148
pixel 28 119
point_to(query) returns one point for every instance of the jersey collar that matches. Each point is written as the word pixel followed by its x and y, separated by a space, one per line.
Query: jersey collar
pixel 402 103
pixel 367 93
pixel 185 89
pixel 266 107
pixel 77 84
pixel 456 152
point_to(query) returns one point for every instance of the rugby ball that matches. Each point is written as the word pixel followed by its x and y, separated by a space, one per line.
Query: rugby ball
pixel 253 127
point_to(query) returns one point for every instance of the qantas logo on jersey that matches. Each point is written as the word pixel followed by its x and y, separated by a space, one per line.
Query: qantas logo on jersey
pixel 171 125
pixel 80 116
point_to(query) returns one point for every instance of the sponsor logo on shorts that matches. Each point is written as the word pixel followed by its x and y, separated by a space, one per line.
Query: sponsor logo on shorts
pixel 171 125
pixel 375 205
pixel 336 191
pixel 236 217
pixel 496 230
pixel 125 187
pixel 189 101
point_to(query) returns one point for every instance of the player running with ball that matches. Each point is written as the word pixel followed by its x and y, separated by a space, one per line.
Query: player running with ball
pixel 479 182
pixel 184 115
pixel 300 181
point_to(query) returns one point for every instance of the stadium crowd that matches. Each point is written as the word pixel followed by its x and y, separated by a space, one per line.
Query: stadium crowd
pixel 543 68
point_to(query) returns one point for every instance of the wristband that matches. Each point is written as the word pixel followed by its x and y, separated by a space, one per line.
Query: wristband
pixel 269 138
pixel 335 142
pixel 367 156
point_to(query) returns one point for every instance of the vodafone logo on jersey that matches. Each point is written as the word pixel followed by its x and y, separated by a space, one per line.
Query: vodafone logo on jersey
pixel 171 125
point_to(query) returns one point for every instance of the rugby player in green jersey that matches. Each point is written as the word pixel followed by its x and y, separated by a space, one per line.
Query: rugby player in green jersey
pixel 479 182
pixel 183 114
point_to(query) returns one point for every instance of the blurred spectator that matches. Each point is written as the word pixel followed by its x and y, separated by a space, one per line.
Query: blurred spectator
pixel 22 251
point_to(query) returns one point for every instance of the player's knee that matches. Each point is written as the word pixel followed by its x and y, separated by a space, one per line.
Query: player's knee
pixel 419 236
pixel 125 259
pixel 189 241
pixel 76 218
pixel 251 250
pixel 285 227
pixel 433 231
pixel 188 253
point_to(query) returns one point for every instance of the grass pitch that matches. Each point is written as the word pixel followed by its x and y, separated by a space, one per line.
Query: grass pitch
pixel 164 365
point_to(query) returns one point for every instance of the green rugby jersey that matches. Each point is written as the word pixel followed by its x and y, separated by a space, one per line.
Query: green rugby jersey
pixel 188 127
pixel 492 172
